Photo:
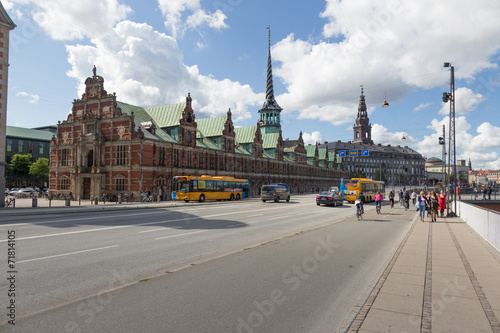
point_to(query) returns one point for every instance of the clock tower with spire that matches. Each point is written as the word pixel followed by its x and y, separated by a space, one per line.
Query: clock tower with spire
pixel 362 128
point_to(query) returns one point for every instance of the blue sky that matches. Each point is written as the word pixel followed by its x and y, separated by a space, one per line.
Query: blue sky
pixel 153 52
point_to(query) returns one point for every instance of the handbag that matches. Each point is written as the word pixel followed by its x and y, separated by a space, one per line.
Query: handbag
pixel 357 202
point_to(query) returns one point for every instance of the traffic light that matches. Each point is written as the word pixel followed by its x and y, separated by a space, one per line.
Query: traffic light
pixel 406 170
pixel 441 140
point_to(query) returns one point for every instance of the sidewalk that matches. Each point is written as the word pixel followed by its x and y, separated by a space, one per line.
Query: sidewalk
pixel 443 278
pixel 24 206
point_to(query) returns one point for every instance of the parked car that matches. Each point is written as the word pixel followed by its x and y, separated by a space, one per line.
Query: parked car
pixel 13 191
pixel 6 191
pixel 274 192
pixel 329 198
pixel 26 192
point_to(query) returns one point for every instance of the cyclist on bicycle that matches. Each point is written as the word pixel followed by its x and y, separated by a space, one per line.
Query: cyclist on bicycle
pixel 401 196
pixel 361 199
pixel 391 199
pixel 378 200
pixel 406 197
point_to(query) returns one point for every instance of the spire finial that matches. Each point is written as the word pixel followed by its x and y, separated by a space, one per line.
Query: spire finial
pixel 269 32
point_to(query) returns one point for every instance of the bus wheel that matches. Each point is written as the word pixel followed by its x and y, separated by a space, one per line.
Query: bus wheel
pixel 238 197
pixel 288 199
pixel 202 198
pixel 231 197
pixel 186 200
pixel 277 199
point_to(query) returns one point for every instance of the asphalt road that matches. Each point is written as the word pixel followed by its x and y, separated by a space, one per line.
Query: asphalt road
pixel 241 266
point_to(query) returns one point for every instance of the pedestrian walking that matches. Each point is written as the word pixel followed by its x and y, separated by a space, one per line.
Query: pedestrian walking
pixel 484 193
pixel 414 197
pixel 434 205
pixel 442 203
pixel 422 202
pixel 489 193
pixel 475 193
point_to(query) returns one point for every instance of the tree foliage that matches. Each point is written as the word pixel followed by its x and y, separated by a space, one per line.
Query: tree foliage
pixel 20 165
pixel 40 169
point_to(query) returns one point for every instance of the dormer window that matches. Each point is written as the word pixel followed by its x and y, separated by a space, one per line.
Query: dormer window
pixel 149 126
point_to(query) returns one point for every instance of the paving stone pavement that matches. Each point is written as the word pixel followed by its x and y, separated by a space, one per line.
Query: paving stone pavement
pixel 443 278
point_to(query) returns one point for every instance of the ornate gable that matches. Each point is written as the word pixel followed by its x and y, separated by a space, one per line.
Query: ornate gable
pixel 228 134
pixel 257 141
pixel 187 125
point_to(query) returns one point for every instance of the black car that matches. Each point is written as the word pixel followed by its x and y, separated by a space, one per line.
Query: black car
pixel 329 198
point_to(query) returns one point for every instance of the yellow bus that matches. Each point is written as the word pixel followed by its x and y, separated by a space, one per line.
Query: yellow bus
pixel 201 188
pixel 367 186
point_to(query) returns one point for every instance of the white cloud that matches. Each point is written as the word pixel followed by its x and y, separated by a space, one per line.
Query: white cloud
pixel 145 68
pixel 32 97
pixel 69 20
pixel 173 11
pixel 479 148
pixel 381 135
pixel 389 46
pixel 422 106
pixel 465 101
pixel 311 139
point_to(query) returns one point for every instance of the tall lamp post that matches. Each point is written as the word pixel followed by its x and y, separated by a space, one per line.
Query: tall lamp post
pixel 451 137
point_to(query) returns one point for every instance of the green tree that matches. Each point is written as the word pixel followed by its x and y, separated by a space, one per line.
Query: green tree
pixel 40 169
pixel 380 175
pixel 20 165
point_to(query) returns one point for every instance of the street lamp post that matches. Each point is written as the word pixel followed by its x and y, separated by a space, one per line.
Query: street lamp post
pixel 451 137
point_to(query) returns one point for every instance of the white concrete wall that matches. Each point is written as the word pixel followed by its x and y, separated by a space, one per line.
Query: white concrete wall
pixel 485 222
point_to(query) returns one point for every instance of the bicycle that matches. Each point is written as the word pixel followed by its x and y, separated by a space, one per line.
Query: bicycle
pixel 406 204
pixel 378 205
pixel 392 203
pixel 359 212
pixel 9 202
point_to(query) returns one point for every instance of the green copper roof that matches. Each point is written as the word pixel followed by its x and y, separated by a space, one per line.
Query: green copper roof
pixel 322 153
pixel 211 126
pixel 142 116
pixel 28 133
pixel 311 150
pixel 167 115
pixel 245 134
pixel 270 140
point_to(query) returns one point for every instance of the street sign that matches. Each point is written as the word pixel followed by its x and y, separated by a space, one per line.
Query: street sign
pixel 365 152
pixel 353 153
pixel 342 153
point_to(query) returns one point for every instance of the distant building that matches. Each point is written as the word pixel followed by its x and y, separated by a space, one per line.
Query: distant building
pixel 109 147
pixel 484 177
pixel 27 141
pixel 6 25
pixel 400 165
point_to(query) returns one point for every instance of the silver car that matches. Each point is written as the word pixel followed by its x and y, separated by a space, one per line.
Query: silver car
pixel 275 193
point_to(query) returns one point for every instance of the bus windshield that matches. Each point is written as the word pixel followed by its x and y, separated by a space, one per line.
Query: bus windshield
pixel 182 186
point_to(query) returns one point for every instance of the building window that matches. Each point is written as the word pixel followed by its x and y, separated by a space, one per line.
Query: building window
pixel 40 148
pixel 120 184
pixel 90 128
pixel 64 184
pixel 121 153
pixel 20 146
pixel 9 145
pixel 65 157
pixel 176 157
pixel 161 156
pixel 189 159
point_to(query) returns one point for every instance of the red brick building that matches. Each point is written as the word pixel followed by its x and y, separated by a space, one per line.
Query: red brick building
pixel 109 147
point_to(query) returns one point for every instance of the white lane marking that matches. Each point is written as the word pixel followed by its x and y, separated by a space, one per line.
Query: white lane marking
pixel 76 219
pixel 186 233
pixel 67 254
pixel 255 215
pixel 125 226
